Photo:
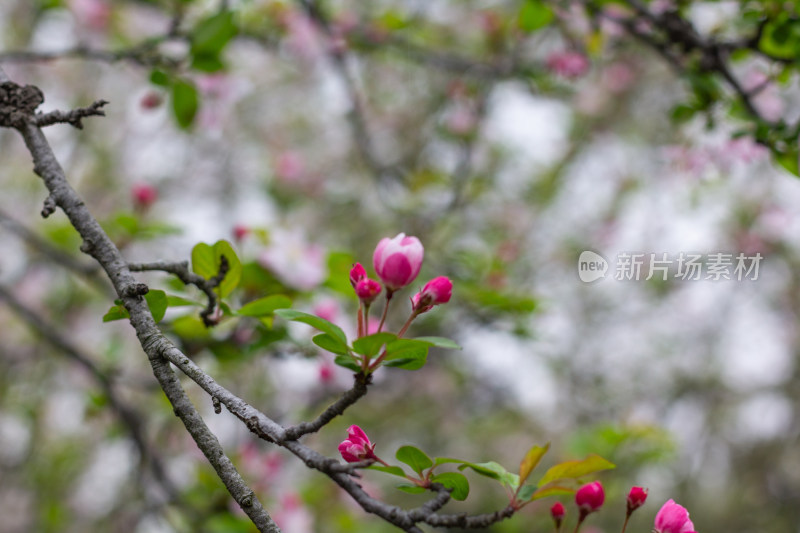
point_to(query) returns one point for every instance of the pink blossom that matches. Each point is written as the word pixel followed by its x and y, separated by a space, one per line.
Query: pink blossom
pixel 636 498
pixel 673 518
pixel 143 195
pixel 590 497
pixel 618 77
pixel 367 290
pixel 293 516
pixel 398 261
pixel 289 167
pixel 92 13
pixel 461 119
pixel 436 291
pixel 326 372
pixel 357 273
pixel 328 309
pixel 767 99
pixel 302 36
pixel 568 64
pixel 296 262
pixel 357 446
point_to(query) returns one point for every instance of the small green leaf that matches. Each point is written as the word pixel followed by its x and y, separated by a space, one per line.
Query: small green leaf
pixel 414 457
pixel 265 306
pixel 157 302
pixel 393 470
pixel 533 15
pixel 530 461
pixel 370 344
pixel 160 78
pixel 408 354
pixel 314 321
pixel 550 490
pixel 493 470
pixel 207 260
pixel 211 35
pixel 330 343
pixel 118 312
pixel 439 342
pixel 180 301
pixel 575 469
pixel 185 102
pixel 348 362
pixel 455 481
pixel 411 489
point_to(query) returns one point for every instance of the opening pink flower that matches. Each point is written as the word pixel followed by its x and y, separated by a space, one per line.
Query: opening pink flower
pixel 357 446
pixel 558 512
pixel 398 261
pixel 357 273
pixel 436 291
pixel 673 518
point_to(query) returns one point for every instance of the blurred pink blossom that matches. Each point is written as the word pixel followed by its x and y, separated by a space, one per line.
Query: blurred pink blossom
pixel 568 64
pixel 292 516
pixel 94 14
pixel 289 167
pixel 618 77
pixel 461 119
pixel 296 262
pixel 767 100
pixel 303 39
pixel 328 309
pixel 143 195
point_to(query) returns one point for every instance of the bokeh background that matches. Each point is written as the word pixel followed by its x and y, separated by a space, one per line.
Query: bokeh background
pixel 506 150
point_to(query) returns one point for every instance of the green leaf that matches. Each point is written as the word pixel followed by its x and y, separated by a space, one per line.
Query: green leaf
pixel 393 470
pixel 211 35
pixel 314 321
pixel 439 342
pixel 160 78
pixel 185 102
pixel 778 39
pixel 408 354
pixel 544 492
pixel 180 301
pixel 118 312
pixel 348 362
pixel 265 306
pixel 411 489
pixel 533 15
pixel 207 260
pixel 575 469
pixel 370 344
pixel 530 461
pixel 414 457
pixel 339 265
pixel 157 302
pixel 330 343
pixel 493 470
pixel 455 481
pixel 788 159
pixel 190 327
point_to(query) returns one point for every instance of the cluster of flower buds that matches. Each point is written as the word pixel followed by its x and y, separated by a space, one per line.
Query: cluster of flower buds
pixel 397 263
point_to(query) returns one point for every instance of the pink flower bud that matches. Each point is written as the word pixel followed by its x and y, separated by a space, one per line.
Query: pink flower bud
pixel 143 195
pixel 436 291
pixel 397 261
pixel 357 446
pixel 557 511
pixel 568 64
pixel 240 231
pixel 636 498
pixel 590 497
pixel 367 290
pixel 673 518
pixel 357 273
pixel 151 100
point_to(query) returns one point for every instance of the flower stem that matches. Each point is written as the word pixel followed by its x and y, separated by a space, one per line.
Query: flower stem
pixel 389 294
pixel 360 320
pixel 414 315
pixel 581 518
pixel 625 524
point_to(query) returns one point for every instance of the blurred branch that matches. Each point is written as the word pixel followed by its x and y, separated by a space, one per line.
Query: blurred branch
pixel 58 257
pixel 130 418
pixel 144 54
pixel 72 117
